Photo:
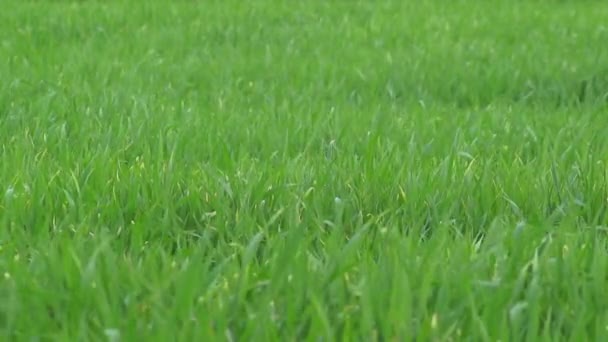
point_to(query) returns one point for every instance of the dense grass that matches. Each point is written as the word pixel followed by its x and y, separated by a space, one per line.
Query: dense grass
pixel 274 170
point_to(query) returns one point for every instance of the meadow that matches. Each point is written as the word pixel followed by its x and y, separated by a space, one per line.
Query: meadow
pixel 315 170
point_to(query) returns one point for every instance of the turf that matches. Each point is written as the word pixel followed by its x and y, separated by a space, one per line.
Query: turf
pixel 314 170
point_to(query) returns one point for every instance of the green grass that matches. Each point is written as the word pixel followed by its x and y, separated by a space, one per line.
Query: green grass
pixel 313 170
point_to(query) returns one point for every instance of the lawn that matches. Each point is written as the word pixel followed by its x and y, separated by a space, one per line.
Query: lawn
pixel 314 170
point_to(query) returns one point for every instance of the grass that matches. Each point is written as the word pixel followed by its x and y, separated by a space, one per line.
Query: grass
pixel 316 170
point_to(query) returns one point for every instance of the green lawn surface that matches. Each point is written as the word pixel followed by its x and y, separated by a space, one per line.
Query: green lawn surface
pixel 317 170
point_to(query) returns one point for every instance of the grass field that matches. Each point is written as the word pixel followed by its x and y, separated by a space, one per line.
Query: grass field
pixel 314 170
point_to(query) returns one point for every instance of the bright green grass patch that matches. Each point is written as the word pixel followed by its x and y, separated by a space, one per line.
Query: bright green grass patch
pixel 321 169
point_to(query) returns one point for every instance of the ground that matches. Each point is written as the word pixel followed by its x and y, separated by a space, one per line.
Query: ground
pixel 314 170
